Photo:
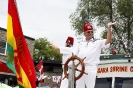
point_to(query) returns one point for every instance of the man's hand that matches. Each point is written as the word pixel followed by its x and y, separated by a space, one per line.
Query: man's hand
pixel 51 42
pixel 109 33
pixel 110 24
pixel 54 46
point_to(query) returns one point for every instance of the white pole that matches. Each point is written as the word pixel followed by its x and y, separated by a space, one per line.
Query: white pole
pixel 71 76
pixel 113 81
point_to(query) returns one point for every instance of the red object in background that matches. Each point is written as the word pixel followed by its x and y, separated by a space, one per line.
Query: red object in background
pixel 40 67
pixel 41 70
pixel 42 80
pixel 114 51
pixel 4 68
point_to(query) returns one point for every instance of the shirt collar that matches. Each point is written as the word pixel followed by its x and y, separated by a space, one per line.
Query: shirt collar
pixel 89 40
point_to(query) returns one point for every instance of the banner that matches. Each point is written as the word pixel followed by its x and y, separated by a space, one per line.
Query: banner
pixel 115 70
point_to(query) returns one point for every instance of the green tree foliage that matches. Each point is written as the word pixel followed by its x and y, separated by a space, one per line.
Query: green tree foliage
pixel 42 50
pixel 102 12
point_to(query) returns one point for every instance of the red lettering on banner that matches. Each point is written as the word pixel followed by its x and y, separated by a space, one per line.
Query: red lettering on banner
pixel 119 69
pixel 131 69
pixel 102 70
pixel 115 69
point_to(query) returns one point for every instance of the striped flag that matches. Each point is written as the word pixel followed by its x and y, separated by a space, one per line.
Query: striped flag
pixel 18 55
pixel 41 70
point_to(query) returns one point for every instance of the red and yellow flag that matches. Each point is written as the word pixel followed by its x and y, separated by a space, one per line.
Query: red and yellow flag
pixel 18 56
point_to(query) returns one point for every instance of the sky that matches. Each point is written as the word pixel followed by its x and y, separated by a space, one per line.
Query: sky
pixel 44 18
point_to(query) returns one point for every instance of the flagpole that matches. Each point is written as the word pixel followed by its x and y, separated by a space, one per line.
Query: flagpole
pixel 17 12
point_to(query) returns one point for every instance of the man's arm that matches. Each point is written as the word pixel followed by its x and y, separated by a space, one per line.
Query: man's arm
pixel 109 33
pixel 54 46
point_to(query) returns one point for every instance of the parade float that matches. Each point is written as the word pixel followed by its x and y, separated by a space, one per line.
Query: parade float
pixel 115 71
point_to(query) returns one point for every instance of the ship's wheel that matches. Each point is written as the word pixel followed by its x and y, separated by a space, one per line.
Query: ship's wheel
pixel 80 62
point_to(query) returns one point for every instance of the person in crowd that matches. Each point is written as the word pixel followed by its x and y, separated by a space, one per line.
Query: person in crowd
pixel 66 53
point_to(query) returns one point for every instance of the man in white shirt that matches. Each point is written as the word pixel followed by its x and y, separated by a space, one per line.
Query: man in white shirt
pixel 67 53
pixel 90 49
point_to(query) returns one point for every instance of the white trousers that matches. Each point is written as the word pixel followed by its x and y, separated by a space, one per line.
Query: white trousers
pixel 64 82
pixel 88 80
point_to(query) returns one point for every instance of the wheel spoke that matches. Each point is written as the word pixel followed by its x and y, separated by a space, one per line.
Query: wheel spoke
pixel 69 67
pixel 77 64
pixel 78 70
pixel 73 63
pixel 83 59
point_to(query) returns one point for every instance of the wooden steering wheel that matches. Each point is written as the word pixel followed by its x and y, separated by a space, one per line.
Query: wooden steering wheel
pixel 80 61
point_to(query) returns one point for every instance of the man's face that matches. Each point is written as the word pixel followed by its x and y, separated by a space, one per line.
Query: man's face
pixel 88 34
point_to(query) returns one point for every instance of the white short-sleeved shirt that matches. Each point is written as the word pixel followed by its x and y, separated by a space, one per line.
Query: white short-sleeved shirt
pixel 66 52
pixel 91 50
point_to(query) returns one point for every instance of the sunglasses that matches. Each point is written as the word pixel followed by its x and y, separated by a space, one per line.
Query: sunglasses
pixel 89 32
